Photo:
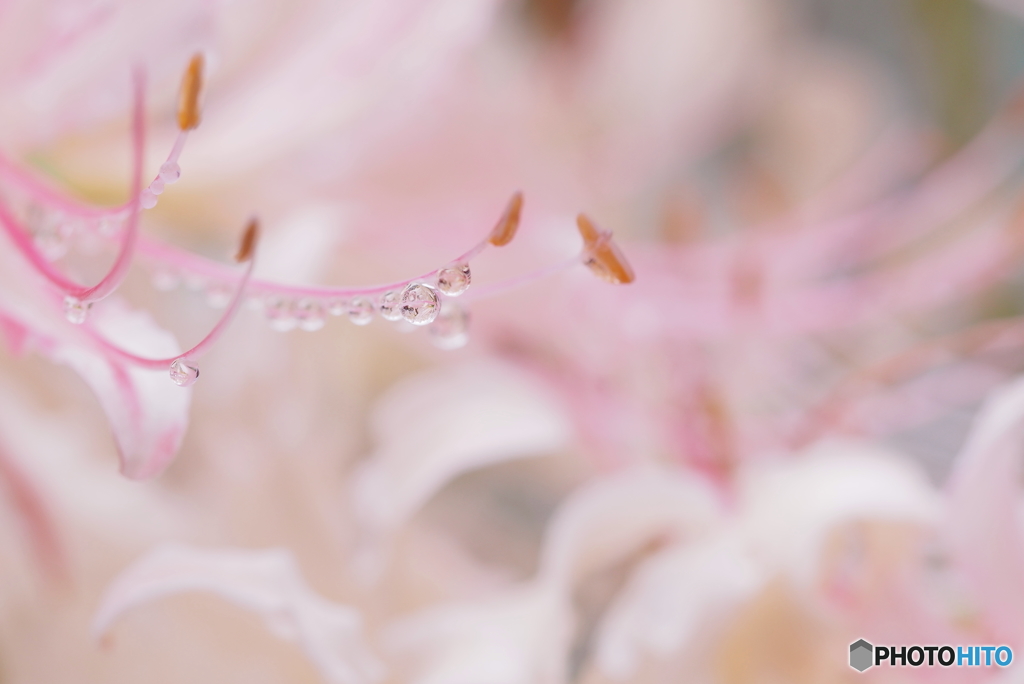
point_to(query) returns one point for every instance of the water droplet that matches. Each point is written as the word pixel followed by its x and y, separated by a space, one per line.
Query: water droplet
pixel 451 328
pixel 310 314
pixel 76 310
pixel 218 296
pixel 337 307
pixel 170 172
pixel 157 186
pixel 278 312
pixel 147 199
pixel 454 280
pixel 183 374
pixel 391 306
pixel 420 304
pixel 360 311
pixel 166 280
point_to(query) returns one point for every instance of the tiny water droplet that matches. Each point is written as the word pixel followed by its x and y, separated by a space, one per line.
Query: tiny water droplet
pixel 157 186
pixel 166 280
pixel 147 199
pixel 451 328
pixel 218 296
pixel 279 314
pixel 76 310
pixel 337 307
pixel 391 306
pixel 454 280
pixel 360 311
pixel 420 304
pixel 183 374
pixel 310 314
pixel 170 172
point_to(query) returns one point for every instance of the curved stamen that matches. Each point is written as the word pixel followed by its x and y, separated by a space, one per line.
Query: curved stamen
pixel 129 237
pixel 245 253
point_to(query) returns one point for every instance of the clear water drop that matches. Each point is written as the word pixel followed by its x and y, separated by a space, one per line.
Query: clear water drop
pixel 360 311
pixel 218 296
pixel 310 314
pixel 451 328
pixel 170 172
pixel 390 306
pixel 278 311
pixel 337 307
pixel 147 199
pixel 76 310
pixel 454 280
pixel 157 186
pixel 420 304
pixel 166 280
pixel 183 374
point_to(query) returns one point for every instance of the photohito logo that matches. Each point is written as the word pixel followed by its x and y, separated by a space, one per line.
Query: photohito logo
pixel 864 655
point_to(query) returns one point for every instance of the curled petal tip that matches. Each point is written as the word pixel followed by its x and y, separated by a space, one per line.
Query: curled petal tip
pixel 191 86
pixel 507 225
pixel 602 256
pixel 247 247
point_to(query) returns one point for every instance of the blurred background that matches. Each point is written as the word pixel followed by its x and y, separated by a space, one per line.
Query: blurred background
pixel 800 426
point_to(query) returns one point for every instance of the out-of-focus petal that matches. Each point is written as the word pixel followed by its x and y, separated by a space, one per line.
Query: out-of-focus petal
pixel 148 413
pixel 436 425
pixel 267 582
pixel 521 637
pixel 789 509
pixel 671 598
pixel 984 526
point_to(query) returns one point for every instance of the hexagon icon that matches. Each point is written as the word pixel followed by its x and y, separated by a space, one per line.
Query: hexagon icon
pixel 860 655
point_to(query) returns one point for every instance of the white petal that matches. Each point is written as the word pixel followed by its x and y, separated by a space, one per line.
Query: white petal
pixel 266 582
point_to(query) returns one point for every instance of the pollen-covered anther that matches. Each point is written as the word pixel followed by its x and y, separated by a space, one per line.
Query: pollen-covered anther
pixel 247 247
pixel 508 224
pixel 191 87
pixel 602 256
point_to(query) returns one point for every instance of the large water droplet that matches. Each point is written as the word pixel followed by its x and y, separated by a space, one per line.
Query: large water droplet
pixel 420 304
pixel 183 374
pixel 278 311
pixel 451 328
pixel 454 280
pixel 76 310
pixel 391 306
pixel 360 311
pixel 310 314
pixel 157 186
pixel 170 172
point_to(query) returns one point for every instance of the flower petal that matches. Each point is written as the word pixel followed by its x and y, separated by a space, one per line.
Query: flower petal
pixel 267 582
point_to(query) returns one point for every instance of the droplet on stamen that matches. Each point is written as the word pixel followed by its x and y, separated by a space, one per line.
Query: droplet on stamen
pixel 183 374
pixel 420 304
pixel 218 296
pixel 390 306
pixel 76 310
pixel 360 311
pixel 279 314
pixel 454 280
pixel 170 172
pixel 451 328
pixel 157 186
pixel 166 280
pixel 337 307
pixel 310 314
pixel 147 200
